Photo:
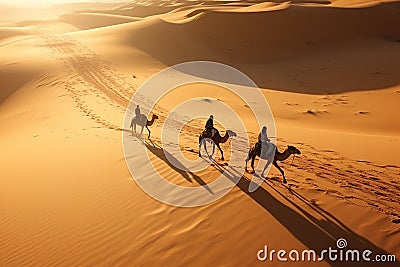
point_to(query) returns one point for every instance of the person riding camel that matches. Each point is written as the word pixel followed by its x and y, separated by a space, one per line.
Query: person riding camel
pixel 264 142
pixel 137 111
pixel 262 136
pixel 210 126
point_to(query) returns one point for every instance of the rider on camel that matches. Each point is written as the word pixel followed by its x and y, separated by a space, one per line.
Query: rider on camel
pixel 210 126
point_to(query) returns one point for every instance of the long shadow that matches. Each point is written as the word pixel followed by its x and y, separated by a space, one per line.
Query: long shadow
pixel 174 164
pixel 314 233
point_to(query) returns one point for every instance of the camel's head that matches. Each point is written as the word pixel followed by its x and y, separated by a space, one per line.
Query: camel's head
pixel 231 133
pixel 155 117
pixel 293 150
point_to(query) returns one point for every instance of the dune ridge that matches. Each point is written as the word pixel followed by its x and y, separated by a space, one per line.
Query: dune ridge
pixel 84 21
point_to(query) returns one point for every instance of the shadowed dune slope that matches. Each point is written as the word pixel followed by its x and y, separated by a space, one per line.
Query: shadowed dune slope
pixel 6 32
pixel 318 38
pixel 86 21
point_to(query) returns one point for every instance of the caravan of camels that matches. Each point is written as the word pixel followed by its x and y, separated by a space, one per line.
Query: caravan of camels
pixel 262 148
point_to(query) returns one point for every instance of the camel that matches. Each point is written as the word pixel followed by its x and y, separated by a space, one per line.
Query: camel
pixel 142 121
pixel 217 139
pixel 256 151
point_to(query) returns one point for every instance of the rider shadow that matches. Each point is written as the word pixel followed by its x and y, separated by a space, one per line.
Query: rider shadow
pixel 175 164
pixel 316 234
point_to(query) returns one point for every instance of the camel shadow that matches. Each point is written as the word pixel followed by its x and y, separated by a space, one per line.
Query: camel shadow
pixel 316 234
pixel 174 164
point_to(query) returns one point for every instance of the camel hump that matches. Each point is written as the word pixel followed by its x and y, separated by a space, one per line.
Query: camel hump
pixel 142 119
pixel 267 150
pixel 207 133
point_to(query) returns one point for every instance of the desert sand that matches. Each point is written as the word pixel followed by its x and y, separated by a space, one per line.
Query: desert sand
pixel 330 72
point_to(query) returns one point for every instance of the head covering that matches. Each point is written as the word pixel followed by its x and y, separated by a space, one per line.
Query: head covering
pixel 211 117
pixel 264 128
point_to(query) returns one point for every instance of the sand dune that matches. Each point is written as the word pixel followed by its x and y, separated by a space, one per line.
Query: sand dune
pixel 339 60
pixel 264 39
pixel 6 32
pixel 137 10
pixel 86 21
pixel 330 74
pixel 19 69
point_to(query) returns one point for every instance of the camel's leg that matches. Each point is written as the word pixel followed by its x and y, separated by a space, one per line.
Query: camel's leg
pixel 148 130
pixel 205 147
pixel 265 167
pixel 131 127
pixel 252 162
pixel 282 172
pixel 141 132
pixel 213 146
pixel 200 146
pixel 222 153
pixel 247 160
pixel 134 125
